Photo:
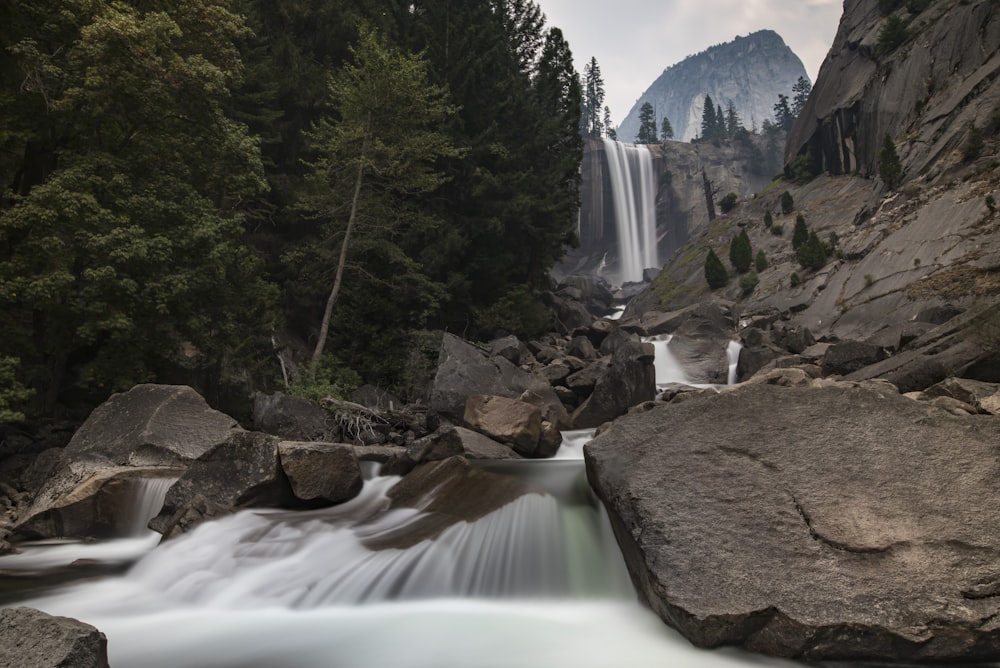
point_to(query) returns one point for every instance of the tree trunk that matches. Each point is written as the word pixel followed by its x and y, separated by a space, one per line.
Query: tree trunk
pixel 324 327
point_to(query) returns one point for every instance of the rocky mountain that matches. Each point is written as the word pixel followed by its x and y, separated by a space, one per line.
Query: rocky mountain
pixel 750 71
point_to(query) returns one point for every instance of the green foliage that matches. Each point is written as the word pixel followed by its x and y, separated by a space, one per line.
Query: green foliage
pixel 328 378
pixel 869 280
pixel 886 7
pixel 800 95
pixel 519 312
pixel 592 124
pixel 715 272
pixel 972 147
pixel 647 125
pixel 666 129
pixel 760 261
pixel 812 254
pixel 894 32
pixel 795 280
pixel 991 203
pixel 740 252
pixel 890 168
pixel 748 282
pixel 728 203
pixel 917 6
pixel 783 116
pixel 787 203
pixel 12 392
pixel 768 220
pixel 802 169
pixel 777 229
pixel 800 235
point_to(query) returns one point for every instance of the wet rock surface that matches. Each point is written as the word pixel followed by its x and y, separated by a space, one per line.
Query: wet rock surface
pixel 831 522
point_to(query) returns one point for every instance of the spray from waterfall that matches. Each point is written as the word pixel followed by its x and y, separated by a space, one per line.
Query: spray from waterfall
pixel 633 190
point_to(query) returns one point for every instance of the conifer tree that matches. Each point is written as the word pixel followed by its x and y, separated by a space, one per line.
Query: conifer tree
pixel 800 234
pixel 715 272
pixel 740 252
pixel 666 129
pixel 889 166
pixel 709 122
pixel 812 253
pixel 593 100
pixel 800 95
pixel 647 125
pixel 783 116
pixel 609 128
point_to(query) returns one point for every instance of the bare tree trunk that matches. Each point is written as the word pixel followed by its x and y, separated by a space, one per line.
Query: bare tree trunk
pixel 324 327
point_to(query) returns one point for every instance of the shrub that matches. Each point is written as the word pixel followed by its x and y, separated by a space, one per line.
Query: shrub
pixel 328 378
pixel 777 230
pixel 893 33
pixel 812 254
pixel 972 148
pixel 748 282
pixel 991 203
pixel 787 203
pixel 760 262
pixel 768 220
pixel 715 272
pixel 869 280
pixel 728 203
pixel 795 280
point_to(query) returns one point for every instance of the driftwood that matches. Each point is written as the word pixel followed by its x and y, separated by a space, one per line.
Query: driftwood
pixel 353 420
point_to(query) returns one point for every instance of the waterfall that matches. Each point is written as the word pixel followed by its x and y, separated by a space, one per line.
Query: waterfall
pixel 668 367
pixel 633 188
pixel 144 499
pixel 733 358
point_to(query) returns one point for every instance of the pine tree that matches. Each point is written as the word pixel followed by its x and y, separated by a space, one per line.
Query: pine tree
pixel 609 128
pixel 709 123
pixel 783 116
pixel 733 123
pixel 812 253
pixel 715 272
pixel 800 95
pixel 593 100
pixel 666 130
pixel 787 203
pixel 647 125
pixel 800 234
pixel 889 166
pixel 740 252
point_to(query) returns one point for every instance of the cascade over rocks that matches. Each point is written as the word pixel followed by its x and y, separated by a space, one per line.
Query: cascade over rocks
pixel 629 380
pixel 30 638
pixel 149 431
pixel 831 522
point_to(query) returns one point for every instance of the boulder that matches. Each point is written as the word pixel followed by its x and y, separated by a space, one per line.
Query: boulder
pixel 290 417
pixel 511 421
pixel 629 379
pixel 149 431
pixel 973 392
pixel 464 371
pixel 582 347
pixel 567 312
pixel 833 523
pixel 446 492
pixel 244 471
pixel 704 319
pixel 30 638
pixel 321 473
pixel 592 291
pixel 849 356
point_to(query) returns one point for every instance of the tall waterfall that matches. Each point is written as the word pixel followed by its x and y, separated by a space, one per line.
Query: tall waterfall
pixel 633 187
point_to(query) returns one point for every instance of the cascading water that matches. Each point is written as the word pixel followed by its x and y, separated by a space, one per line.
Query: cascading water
pixel 633 190
pixel 733 359
pixel 668 368
pixel 537 583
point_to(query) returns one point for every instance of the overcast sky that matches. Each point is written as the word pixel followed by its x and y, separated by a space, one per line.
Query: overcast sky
pixel 635 40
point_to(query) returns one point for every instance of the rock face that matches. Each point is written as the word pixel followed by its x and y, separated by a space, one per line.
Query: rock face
pixel 629 380
pixel 149 431
pixel 929 88
pixel 840 522
pixel 751 71
pixel 30 638
pixel 322 473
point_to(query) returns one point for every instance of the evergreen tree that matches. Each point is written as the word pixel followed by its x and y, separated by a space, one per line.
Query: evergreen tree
pixel 380 150
pixel 800 95
pixel 733 123
pixel 647 125
pixel 768 219
pixel 812 253
pixel 800 234
pixel 760 261
pixel 715 272
pixel 593 100
pixel 889 166
pixel 609 128
pixel 709 123
pixel 666 130
pixel 787 203
pixel 740 252
pixel 783 116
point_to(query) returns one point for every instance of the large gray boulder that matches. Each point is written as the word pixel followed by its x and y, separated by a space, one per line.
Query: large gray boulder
pixel 291 417
pixel 149 431
pixel 464 371
pixel 835 522
pixel 243 471
pixel 321 473
pixel 30 638
pixel 629 380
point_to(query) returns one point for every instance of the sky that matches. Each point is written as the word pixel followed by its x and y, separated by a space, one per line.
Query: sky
pixel 635 40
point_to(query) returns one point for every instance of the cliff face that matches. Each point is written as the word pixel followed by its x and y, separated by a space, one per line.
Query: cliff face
pixel 751 71
pixel 926 92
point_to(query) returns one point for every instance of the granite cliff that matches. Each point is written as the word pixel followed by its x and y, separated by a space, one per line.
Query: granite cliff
pixel 751 71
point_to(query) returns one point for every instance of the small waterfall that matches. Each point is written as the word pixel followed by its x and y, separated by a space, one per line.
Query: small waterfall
pixel 733 357
pixel 633 186
pixel 144 498
pixel 668 367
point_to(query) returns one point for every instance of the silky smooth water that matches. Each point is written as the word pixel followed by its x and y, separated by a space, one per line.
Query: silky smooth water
pixel 633 191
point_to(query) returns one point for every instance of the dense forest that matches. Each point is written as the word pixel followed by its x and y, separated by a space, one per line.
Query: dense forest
pixel 192 186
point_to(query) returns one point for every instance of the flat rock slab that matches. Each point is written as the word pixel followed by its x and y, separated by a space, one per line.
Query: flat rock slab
pixel 838 522
pixel 30 638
